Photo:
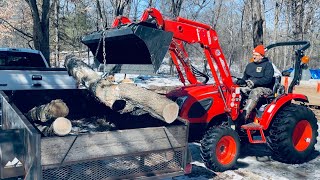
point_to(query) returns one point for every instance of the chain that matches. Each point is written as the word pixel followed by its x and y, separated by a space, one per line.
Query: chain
pixel 96 54
pixel 104 51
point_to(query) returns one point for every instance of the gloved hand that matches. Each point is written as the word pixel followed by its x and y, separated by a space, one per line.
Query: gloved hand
pixel 250 84
pixel 241 82
pixel 245 90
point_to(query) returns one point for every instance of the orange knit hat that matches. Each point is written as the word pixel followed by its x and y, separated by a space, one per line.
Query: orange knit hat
pixel 259 49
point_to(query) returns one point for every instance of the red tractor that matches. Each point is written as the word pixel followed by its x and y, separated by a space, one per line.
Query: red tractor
pixel 290 129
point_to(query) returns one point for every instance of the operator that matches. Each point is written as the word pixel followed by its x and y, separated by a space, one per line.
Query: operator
pixel 258 77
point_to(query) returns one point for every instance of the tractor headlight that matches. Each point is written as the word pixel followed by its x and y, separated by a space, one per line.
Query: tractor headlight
pixel 180 101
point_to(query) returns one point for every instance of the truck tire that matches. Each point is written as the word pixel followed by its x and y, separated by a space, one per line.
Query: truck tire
pixel 220 148
pixel 293 134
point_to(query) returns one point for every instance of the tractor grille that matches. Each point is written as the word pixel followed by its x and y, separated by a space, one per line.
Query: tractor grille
pixel 146 165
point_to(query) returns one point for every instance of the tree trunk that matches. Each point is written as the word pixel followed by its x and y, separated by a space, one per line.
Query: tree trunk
pixel 118 6
pixel 41 27
pixel 176 7
pixel 122 97
pixel 287 54
pixel 56 16
pixel 257 22
pixel 297 10
pixel 278 6
pixel 101 17
pixel 263 16
pixel 217 15
pixel 150 4
pixel 175 11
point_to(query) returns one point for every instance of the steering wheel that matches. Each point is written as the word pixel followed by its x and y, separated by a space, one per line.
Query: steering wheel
pixel 240 81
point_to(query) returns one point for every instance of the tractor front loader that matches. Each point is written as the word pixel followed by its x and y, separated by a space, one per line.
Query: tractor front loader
pixel 289 128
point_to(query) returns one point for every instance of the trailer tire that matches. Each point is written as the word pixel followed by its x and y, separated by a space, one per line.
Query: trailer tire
pixel 293 134
pixel 220 148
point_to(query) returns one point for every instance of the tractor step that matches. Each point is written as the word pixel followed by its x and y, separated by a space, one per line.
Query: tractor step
pixel 254 127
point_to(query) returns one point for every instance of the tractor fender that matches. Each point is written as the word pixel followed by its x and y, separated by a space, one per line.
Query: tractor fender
pixel 272 109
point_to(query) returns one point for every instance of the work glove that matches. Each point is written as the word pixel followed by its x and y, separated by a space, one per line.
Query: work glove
pixel 241 82
pixel 250 83
pixel 245 90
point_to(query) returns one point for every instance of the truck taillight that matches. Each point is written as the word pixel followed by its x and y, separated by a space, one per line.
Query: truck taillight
pixel 188 168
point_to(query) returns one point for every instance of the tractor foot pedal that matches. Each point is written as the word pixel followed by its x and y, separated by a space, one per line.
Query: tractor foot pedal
pixel 254 127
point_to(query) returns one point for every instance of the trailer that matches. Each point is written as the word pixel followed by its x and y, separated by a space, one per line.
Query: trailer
pixel 140 147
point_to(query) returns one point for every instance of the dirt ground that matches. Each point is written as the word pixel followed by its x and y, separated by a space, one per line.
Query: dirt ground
pixel 310 92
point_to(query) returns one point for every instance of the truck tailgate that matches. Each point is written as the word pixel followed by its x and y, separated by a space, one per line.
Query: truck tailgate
pixel 29 78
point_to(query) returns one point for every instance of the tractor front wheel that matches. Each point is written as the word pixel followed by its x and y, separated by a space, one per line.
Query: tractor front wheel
pixel 293 134
pixel 220 148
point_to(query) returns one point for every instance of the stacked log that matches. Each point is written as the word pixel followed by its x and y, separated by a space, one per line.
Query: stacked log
pixel 123 97
pixel 50 118
pixel 54 109
pixel 60 127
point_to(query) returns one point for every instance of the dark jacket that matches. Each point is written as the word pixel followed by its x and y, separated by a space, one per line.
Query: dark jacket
pixel 261 74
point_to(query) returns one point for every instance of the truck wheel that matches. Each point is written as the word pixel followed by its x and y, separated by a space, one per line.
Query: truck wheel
pixel 293 134
pixel 220 148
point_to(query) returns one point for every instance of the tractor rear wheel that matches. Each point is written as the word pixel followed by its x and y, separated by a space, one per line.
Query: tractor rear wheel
pixel 220 148
pixel 293 134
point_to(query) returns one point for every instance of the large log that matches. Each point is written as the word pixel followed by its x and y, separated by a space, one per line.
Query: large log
pixel 124 97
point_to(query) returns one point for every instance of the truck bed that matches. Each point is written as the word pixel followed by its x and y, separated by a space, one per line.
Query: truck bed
pixel 140 147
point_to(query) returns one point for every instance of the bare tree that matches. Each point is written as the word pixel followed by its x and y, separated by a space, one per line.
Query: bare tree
pixel 176 7
pixel 278 6
pixel 199 7
pixel 297 8
pixel 41 26
pixel 217 15
pixel 150 3
pixel 135 5
pixel 118 6
pixel 175 11
pixel 100 15
pixel 257 22
pixel 56 25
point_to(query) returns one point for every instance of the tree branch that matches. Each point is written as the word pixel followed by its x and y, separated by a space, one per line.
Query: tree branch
pixel 19 30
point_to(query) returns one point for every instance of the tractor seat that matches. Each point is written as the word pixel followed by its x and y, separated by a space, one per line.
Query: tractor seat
pixel 277 89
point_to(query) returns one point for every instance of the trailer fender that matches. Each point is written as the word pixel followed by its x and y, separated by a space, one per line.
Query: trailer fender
pixel 273 107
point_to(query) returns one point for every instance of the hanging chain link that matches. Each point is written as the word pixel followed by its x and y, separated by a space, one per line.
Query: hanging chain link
pixel 104 51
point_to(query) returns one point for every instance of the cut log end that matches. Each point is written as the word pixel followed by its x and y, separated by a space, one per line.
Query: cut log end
pixel 57 108
pixel 170 112
pixel 62 126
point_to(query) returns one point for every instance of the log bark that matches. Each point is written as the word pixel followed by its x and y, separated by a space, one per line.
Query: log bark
pixel 124 97
pixel 54 109
pixel 61 127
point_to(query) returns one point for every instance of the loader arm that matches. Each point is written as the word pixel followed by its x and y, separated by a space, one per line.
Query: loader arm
pixel 148 40
pixel 191 32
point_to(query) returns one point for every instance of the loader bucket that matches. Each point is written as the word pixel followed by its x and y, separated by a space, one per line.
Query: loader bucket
pixel 134 44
